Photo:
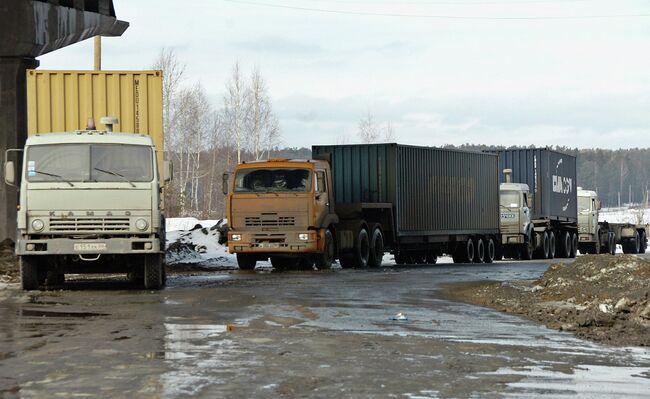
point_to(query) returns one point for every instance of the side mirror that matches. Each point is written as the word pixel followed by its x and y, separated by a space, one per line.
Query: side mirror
pixel 168 171
pixel 10 173
pixel 224 183
pixel 600 205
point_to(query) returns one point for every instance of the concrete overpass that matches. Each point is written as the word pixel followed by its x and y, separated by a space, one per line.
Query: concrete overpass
pixel 31 28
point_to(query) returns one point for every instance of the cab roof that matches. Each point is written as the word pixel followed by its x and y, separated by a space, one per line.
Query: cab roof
pixel 90 137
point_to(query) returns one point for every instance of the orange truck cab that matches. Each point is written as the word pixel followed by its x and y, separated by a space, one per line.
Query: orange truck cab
pixel 283 210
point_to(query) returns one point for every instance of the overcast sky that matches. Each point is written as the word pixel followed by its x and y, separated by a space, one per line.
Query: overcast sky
pixel 504 73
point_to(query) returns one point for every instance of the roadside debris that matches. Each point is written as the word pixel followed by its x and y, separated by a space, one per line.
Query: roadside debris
pixel 9 270
pixel 600 297
pixel 399 317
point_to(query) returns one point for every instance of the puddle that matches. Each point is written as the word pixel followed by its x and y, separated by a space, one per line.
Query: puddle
pixel 586 381
pixel 199 355
pixel 49 313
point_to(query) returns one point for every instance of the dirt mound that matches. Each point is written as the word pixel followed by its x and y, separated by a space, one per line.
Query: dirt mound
pixel 600 297
pixel 9 271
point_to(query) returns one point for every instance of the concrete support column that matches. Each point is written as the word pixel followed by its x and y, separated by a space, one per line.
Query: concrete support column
pixel 13 131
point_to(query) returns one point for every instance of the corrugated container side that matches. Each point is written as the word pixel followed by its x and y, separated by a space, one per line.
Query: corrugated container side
pixel 434 191
pixel 362 173
pixel 61 101
pixel 443 190
pixel 550 175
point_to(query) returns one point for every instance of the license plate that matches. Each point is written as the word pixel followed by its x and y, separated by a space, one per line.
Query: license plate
pixel 269 245
pixel 90 246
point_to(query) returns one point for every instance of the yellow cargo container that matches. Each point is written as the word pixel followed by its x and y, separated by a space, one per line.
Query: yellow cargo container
pixel 63 101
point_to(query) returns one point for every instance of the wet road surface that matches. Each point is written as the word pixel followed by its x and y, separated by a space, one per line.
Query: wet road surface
pixel 296 334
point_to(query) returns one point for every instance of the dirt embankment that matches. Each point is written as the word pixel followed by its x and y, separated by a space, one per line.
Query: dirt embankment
pixel 9 271
pixel 600 297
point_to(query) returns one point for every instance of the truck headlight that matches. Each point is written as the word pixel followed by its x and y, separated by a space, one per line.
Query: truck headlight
pixel 235 237
pixel 303 236
pixel 38 225
pixel 141 224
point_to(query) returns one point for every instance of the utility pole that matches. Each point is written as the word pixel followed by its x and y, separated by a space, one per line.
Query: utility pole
pixel 98 53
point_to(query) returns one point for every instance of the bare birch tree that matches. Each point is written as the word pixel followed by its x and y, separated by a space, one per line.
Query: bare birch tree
pixel 261 124
pixel 370 132
pixel 235 108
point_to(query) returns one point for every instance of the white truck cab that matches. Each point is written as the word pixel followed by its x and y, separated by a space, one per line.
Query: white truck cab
pixel 515 222
pixel 90 201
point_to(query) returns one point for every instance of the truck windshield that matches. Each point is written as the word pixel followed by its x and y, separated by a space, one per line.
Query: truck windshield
pixel 89 163
pixel 510 199
pixel 584 204
pixel 273 180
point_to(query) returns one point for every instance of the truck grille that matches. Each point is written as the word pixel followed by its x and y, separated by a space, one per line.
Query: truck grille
pixel 269 221
pixel 66 225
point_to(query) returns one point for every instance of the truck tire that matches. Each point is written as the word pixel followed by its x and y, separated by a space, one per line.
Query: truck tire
pixel 479 252
pixel 31 275
pixel 466 252
pixel 551 245
pixel 637 243
pixel 643 245
pixel 246 261
pixel 574 245
pixel 490 251
pixel 527 249
pixel 564 245
pixel 376 254
pixel 325 259
pixel 361 252
pixel 153 272
pixel 612 244
pixel 542 251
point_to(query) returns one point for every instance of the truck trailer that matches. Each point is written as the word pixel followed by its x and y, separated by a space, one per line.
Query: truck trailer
pixel 357 202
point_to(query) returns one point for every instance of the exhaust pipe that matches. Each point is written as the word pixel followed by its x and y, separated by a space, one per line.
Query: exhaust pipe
pixel 508 174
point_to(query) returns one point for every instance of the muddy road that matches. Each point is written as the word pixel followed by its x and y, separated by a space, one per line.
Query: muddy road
pixel 299 334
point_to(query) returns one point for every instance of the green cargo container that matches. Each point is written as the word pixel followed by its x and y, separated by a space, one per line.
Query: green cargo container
pixel 436 194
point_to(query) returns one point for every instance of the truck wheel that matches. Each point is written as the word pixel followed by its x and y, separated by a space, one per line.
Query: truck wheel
pixel 528 248
pixel 637 243
pixel 551 245
pixel 469 250
pixel 325 259
pixel 490 251
pixel 362 249
pixel 479 253
pixel 565 245
pixel 612 244
pixel 597 249
pixel 542 251
pixel 153 272
pixel 574 245
pixel 376 253
pixel 643 245
pixel 246 261
pixel 31 275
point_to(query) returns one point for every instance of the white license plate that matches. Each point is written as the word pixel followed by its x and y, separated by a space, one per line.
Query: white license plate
pixel 269 245
pixel 90 246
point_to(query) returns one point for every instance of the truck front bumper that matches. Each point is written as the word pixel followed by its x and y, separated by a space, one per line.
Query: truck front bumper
pixel 274 242
pixel 92 247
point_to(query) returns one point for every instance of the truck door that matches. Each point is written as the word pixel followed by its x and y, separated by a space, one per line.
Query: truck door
pixel 322 192
pixel 593 217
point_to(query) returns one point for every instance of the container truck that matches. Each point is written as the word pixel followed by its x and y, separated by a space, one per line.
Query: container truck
pixel 357 202
pixel 91 199
pixel 594 236
pixel 538 204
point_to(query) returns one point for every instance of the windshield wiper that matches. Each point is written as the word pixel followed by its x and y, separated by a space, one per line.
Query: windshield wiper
pixel 54 175
pixel 116 174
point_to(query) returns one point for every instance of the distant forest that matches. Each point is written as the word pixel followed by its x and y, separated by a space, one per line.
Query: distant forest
pixel 606 171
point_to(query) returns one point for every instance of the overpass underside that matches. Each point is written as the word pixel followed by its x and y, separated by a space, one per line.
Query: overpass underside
pixel 31 28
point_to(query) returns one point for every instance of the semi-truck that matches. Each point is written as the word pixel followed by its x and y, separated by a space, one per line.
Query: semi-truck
pixel 357 202
pixel 596 236
pixel 91 198
pixel 538 204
